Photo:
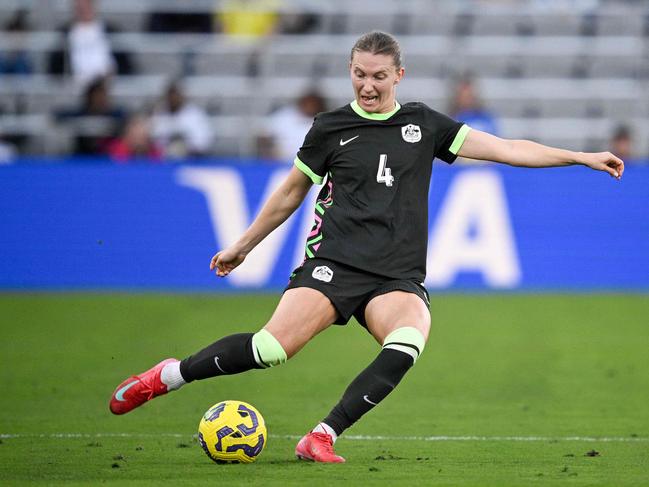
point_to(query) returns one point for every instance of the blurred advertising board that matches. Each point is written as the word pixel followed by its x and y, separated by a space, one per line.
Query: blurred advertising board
pixel 96 226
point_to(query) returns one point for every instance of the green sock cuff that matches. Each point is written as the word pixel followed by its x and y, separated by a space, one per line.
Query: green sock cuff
pixel 267 350
pixel 407 339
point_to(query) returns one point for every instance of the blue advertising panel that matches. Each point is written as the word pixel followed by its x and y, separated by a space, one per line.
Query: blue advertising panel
pixel 94 226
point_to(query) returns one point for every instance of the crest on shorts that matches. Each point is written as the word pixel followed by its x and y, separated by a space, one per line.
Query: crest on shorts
pixel 411 133
pixel 322 273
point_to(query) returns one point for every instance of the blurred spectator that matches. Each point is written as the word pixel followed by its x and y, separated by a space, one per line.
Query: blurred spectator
pixel 621 143
pixel 87 52
pixel 181 128
pixel 467 107
pixel 180 22
pixel 16 61
pixel 251 18
pixel 135 143
pixel 284 130
pixel 298 22
pixel 96 120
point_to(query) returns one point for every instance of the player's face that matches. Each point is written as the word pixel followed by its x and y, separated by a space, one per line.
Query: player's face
pixel 375 78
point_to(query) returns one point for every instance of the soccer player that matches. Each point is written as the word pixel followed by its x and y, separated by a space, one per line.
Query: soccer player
pixel 366 253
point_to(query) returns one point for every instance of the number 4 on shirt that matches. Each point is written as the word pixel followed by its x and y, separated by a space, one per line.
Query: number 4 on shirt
pixel 384 174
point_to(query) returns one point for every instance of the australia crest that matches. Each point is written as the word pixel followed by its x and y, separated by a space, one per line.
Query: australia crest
pixel 411 133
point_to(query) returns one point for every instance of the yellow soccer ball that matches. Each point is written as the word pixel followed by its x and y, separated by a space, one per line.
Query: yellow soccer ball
pixel 232 432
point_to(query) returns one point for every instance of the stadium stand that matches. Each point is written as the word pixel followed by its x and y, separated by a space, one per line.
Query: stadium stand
pixel 568 72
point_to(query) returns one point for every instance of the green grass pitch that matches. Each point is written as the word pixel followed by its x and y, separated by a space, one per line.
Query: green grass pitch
pixel 511 390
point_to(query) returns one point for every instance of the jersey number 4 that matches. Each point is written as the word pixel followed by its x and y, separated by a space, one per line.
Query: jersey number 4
pixel 384 174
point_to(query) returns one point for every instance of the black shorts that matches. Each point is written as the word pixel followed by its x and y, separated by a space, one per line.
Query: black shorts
pixel 350 289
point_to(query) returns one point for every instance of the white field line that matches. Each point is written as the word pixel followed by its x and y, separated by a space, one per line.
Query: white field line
pixel 591 439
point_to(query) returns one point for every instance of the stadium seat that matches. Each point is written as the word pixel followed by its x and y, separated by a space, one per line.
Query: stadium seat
pixel 532 61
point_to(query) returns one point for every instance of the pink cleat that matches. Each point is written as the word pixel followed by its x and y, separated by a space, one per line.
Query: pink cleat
pixel 138 389
pixel 317 447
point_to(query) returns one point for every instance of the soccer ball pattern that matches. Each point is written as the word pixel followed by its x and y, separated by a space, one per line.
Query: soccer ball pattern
pixel 232 432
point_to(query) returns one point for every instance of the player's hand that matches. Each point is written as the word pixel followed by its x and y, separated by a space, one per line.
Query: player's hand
pixel 226 261
pixel 604 161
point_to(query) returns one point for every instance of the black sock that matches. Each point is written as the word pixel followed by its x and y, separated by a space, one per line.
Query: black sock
pixel 369 388
pixel 229 355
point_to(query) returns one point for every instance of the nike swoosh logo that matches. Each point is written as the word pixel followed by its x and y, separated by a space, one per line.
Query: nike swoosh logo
pixel 216 361
pixel 365 398
pixel 120 394
pixel 345 142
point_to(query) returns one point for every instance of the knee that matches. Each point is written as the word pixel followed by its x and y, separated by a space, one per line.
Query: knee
pixel 267 350
pixel 424 329
pixel 407 339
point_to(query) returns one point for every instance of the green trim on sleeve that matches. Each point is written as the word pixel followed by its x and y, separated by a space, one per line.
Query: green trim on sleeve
pixel 307 170
pixel 459 139
pixel 374 116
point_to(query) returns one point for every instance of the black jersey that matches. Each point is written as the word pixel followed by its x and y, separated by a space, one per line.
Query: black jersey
pixel 372 213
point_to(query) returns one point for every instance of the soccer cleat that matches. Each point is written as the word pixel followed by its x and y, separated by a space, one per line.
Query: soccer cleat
pixel 138 389
pixel 317 447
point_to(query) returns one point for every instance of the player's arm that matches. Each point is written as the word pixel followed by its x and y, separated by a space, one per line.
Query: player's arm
pixel 525 153
pixel 281 204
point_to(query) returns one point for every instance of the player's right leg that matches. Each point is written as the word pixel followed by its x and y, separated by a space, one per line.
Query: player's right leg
pixel 300 315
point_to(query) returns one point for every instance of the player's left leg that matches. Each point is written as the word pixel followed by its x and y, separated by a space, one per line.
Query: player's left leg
pixel 400 322
pixel 388 312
